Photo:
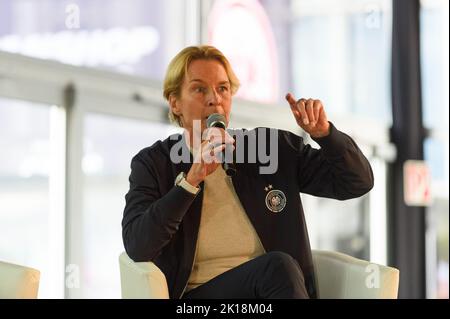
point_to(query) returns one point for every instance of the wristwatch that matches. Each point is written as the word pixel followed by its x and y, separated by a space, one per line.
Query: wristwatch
pixel 181 181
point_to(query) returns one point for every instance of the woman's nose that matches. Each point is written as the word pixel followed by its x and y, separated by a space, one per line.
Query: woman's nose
pixel 214 98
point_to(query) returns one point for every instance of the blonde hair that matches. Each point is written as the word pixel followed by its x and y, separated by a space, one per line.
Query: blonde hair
pixel 178 67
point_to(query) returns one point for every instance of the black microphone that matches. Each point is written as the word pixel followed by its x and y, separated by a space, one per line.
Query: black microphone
pixel 218 120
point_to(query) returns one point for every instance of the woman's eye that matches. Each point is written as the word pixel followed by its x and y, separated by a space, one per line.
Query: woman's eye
pixel 223 88
pixel 200 89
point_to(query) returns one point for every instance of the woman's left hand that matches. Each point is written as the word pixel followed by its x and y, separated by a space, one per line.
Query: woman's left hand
pixel 310 116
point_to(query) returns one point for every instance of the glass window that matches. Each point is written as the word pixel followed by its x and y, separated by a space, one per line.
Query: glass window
pixel 109 145
pixel 135 36
pixel 435 92
pixel 26 233
pixel 341 54
pixel 346 228
pixel 338 52
pixel 433 45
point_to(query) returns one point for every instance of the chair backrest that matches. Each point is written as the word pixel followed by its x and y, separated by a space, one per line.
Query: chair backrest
pixel 18 282
pixel 340 276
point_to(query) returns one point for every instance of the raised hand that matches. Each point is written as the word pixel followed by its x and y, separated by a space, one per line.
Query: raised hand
pixel 206 158
pixel 310 116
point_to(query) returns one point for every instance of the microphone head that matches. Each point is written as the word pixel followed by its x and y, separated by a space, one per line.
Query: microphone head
pixel 216 120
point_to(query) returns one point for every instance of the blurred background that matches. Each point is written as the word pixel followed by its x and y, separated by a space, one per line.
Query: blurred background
pixel 81 94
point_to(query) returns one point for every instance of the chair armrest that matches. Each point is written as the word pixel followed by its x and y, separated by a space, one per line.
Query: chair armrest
pixel 141 280
pixel 18 282
pixel 344 277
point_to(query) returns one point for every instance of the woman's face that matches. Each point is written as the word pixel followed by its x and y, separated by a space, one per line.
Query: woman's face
pixel 206 90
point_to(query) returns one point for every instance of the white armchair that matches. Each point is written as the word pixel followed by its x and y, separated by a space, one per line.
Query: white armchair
pixel 142 280
pixel 338 276
pixel 18 282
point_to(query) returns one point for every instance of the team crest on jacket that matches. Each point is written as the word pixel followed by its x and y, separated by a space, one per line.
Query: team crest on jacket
pixel 275 200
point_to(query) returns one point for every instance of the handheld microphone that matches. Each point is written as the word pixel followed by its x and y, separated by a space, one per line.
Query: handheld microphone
pixel 218 120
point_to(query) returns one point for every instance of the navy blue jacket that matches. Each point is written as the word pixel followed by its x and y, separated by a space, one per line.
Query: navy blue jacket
pixel 161 221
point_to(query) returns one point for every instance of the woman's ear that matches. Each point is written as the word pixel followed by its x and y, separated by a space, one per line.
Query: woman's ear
pixel 174 105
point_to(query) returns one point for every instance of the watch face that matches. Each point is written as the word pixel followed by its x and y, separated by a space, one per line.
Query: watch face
pixel 179 178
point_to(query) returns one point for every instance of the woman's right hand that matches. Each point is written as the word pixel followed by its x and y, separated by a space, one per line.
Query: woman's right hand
pixel 206 159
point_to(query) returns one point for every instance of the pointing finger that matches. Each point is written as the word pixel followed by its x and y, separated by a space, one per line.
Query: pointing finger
pixel 290 98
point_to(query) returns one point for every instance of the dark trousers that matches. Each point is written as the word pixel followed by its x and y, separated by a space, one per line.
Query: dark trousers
pixel 272 275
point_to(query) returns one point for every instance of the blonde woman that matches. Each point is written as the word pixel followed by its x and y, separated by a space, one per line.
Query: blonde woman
pixel 245 236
